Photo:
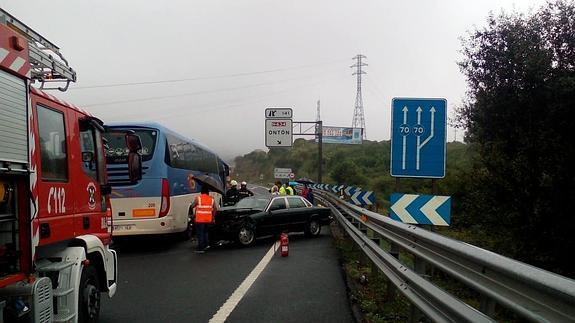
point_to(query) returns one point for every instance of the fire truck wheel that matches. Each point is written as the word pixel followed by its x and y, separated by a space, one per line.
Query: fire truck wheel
pixel 246 235
pixel 89 300
pixel 313 228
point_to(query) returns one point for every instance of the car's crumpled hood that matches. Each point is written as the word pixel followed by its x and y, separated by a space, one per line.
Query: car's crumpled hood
pixel 231 212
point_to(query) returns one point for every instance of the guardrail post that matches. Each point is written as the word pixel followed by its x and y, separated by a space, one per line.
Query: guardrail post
pixel 375 238
pixel 419 266
pixel 487 305
pixel 394 251
pixel 363 260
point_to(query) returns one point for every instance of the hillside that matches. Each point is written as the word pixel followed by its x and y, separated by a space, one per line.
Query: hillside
pixel 365 165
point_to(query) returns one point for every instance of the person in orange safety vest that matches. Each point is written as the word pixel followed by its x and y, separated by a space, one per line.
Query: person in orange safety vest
pixel 205 212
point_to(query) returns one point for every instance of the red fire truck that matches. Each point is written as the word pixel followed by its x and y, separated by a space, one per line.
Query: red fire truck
pixel 55 217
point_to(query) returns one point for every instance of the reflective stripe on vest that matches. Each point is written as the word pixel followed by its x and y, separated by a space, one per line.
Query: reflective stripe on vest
pixel 204 209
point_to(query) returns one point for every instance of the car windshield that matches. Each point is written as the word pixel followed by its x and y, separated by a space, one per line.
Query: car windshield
pixel 253 203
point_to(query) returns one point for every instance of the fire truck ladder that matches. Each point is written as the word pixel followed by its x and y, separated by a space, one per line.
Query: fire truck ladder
pixel 45 68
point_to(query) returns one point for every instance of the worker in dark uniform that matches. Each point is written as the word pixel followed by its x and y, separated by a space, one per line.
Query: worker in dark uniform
pixel 244 191
pixel 232 195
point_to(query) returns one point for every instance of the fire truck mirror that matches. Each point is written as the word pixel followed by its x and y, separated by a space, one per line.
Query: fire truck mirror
pixel 135 166
pixel 133 142
pixel 87 156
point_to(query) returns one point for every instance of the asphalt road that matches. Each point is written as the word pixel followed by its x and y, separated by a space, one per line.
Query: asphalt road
pixel 163 280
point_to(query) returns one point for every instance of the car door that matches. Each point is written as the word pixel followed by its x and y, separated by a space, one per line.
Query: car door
pixel 298 213
pixel 277 217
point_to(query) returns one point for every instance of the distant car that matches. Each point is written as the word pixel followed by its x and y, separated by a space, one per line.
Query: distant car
pixel 256 216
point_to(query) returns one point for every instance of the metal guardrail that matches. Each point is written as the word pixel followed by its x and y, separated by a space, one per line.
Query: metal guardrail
pixel 535 294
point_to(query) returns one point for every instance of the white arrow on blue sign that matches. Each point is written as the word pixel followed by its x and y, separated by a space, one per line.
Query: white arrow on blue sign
pixel 363 198
pixel 421 209
pixel 418 134
pixel 336 188
pixel 351 189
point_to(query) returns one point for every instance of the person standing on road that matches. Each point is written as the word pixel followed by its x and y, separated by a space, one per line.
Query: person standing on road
pixel 289 190
pixel 282 188
pixel 304 191
pixel 309 195
pixel 244 191
pixel 275 189
pixel 205 208
pixel 232 195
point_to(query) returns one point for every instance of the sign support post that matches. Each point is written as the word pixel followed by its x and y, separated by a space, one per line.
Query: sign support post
pixel 319 150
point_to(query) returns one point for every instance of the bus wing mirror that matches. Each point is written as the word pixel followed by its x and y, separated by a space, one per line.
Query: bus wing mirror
pixel 133 142
pixel 105 189
pixel 87 156
pixel 134 166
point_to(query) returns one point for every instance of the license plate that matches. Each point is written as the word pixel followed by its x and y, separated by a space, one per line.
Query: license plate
pixel 126 227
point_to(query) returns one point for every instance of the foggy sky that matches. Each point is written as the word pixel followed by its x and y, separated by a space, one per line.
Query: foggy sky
pixel 247 55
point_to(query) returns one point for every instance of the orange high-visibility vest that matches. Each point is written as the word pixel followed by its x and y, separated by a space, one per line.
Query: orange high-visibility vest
pixel 204 209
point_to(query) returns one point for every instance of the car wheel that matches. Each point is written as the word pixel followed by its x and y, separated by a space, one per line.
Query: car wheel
pixel 89 300
pixel 313 228
pixel 246 235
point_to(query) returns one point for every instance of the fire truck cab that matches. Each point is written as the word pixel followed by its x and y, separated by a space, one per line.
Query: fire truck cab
pixel 55 216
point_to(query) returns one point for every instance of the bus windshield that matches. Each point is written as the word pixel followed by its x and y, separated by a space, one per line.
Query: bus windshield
pixel 116 151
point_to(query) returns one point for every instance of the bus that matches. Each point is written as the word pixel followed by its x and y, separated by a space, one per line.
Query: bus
pixel 160 202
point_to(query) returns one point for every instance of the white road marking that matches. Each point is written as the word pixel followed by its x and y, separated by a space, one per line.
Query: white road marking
pixel 239 293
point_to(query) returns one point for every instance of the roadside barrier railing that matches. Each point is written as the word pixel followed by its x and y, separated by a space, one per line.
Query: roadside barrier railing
pixel 534 294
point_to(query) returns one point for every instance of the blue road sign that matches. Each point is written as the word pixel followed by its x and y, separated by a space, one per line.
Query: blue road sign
pixel 421 209
pixel 349 190
pixel 363 198
pixel 418 132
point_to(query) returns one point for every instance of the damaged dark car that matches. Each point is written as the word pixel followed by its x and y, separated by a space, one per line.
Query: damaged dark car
pixel 255 217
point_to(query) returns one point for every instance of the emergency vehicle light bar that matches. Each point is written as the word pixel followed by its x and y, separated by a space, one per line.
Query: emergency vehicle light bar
pixel 44 67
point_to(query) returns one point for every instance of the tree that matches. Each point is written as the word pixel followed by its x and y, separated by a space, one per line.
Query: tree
pixel 519 113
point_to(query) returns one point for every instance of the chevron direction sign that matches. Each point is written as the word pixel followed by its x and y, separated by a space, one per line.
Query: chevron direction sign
pixel 337 188
pixel 363 198
pixel 421 209
pixel 351 189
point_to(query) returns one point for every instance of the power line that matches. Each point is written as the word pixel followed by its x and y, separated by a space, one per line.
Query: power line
pixel 193 93
pixel 222 106
pixel 204 77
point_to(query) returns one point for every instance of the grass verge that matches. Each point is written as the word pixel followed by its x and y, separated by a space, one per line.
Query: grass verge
pixel 368 288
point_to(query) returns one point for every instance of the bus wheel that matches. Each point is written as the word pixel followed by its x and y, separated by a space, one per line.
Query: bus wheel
pixel 89 300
